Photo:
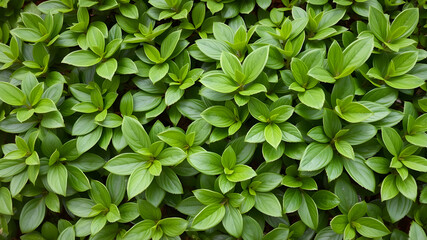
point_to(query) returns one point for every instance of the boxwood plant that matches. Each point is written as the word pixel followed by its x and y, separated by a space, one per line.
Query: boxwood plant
pixel 213 119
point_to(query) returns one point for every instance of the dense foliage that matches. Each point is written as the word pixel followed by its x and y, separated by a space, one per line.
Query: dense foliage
pixel 213 119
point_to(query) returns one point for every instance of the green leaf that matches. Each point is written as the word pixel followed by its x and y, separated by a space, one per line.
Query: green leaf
pixel 124 164
pixel 388 188
pixel 256 133
pixel 357 211
pixel 126 66
pixel 147 211
pixel 219 116
pixel 314 97
pixel 219 82
pixel 207 196
pixel 378 23
pixel 206 162
pixel 81 207
pixel 228 159
pixel 316 156
pixel 174 138
pixel 331 123
pixel 173 227
pixel 169 181
pixel 345 149
pixel 95 40
pixel 403 63
pixel 11 94
pixel 335 59
pixel 169 44
pixel 233 221
pixel 153 54
pixel 408 19
pixel 353 135
pixel 360 173
pixel 68 233
pixel 212 48
pixel 129 10
pixel 254 63
pixel 258 110
pixel 86 142
pixel 32 215
pixel 173 94
pixel 135 134
pixel 353 112
pixel 107 68
pixel 407 187
pixel 321 75
pixel 81 58
pixel 406 81
pixel 379 164
pixel 392 140
pixel 273 134
pixel 99 193
pixel 158 72
pixel 5 202
pixel 292 200
pixel 230 64
pixel 241 173
pixel 268 204
pixel 57 178
pixel 138 181
pixel 339 223
pixel 419 139
pixel 398 207
pixel 251 228
pixel 142 230
pixel 270 153
pixel 416 232
pixel 198 14
pixel 325 200
pixel 281 114
pixel 308 212
pixel 209 217
pixel 77 179
pixel 27 34
pixel 171 156
pixel 415 162
pixel 371 227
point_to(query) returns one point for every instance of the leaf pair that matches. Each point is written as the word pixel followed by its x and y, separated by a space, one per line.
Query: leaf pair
pixel 355 221
pixel 393 36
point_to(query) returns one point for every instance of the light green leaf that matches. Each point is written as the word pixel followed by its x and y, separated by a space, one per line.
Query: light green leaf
pixel 219 116
pixel 308 212
pixel 360 173
pixel 233 221
pixel 138 181
pixel 273 134
pixel 241 173
pixel 11 94
pixel 316 156
pixel 206 162
pixel 32 215
pixel 268 204
pixel 5 202
pixel 392 140
pixel 371 227
pixel 57 178
pixel 209 217
pixel 314 97
pixel 254 63
pixel 81 58
pixel 107 68
pixel 135 134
